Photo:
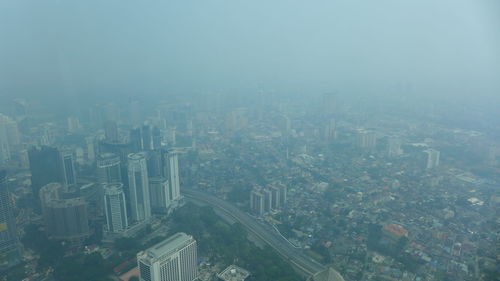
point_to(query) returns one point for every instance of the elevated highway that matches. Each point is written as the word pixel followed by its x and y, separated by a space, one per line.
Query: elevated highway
pixel 306 265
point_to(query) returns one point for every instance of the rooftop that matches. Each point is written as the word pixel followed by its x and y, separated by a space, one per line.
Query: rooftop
pixel 167 246
pixel 233 273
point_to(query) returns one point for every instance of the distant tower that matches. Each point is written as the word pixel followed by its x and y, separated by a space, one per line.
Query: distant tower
pixel 116 209
pixel 111 132
pixel 73 124
pixel 68 166
pixel 432 158
pixel 45 167
pixel 139 187
pixel 173 259
pixel 366 140
pixel 65 219
pixel 159 194
pixel 109 168
pixel 9 243
pixel 394 147
pixel 9 138
pixel 173 174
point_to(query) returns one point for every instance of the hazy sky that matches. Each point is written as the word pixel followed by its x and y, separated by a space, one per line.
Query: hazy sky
pixel 437 47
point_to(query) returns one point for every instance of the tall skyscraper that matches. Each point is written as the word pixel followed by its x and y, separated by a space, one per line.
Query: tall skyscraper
pixel 159 194
pixel 45 167
pixel 9 138
pixel 139 187
pixel 109 168
pixel 65 219
pixel 68 166
pixel 115 207
pixel 174 259
pixel 173 174
pixel 9 242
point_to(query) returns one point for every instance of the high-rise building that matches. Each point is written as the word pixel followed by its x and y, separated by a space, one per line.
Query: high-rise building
pixel 65 218
pixel 110 131
pixel 159 194
pixel 432 158
pixel 157 163
pixel 109 168
pixel 45 167
pixel 173 174
pixel 394 147
pixel 9 242
pixel 73 124
pixel 68 166
pixel 257 202
pixel 275 197
pixel 115 207
pixel 9 138
pixel 174 259
pixel 331 129
pixel 366 140
pixel 139 187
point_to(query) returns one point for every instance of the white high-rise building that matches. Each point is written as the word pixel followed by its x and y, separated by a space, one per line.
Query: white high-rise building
pixel 139 187
pixel 116 207
pixel 173 259
pixel 432 158
pixel 173 174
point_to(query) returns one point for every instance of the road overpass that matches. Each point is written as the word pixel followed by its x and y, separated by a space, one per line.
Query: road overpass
pixel 306 265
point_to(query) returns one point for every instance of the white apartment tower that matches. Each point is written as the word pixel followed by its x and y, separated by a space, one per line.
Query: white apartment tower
pixel 173 259
pixel 138 187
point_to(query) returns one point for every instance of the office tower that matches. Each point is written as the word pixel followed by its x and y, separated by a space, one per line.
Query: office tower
pixel 366 140
pixel 257 202
pixel 115 207
pixel 139 187
pixel 173 174
pixel 147 137
pixel 157 163
pixel 394 147
pixel 65 219
pixel 432 158
pixel 68 166
pixel 159 194
pixel 45 167
pixel 157 138
pixel 73 124
pixel 109 168
pixel 173 259
pixel 9 138
pixel 9 243
pixel 110 131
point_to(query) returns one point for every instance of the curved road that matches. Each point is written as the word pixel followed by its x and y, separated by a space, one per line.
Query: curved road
pixel 295 256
